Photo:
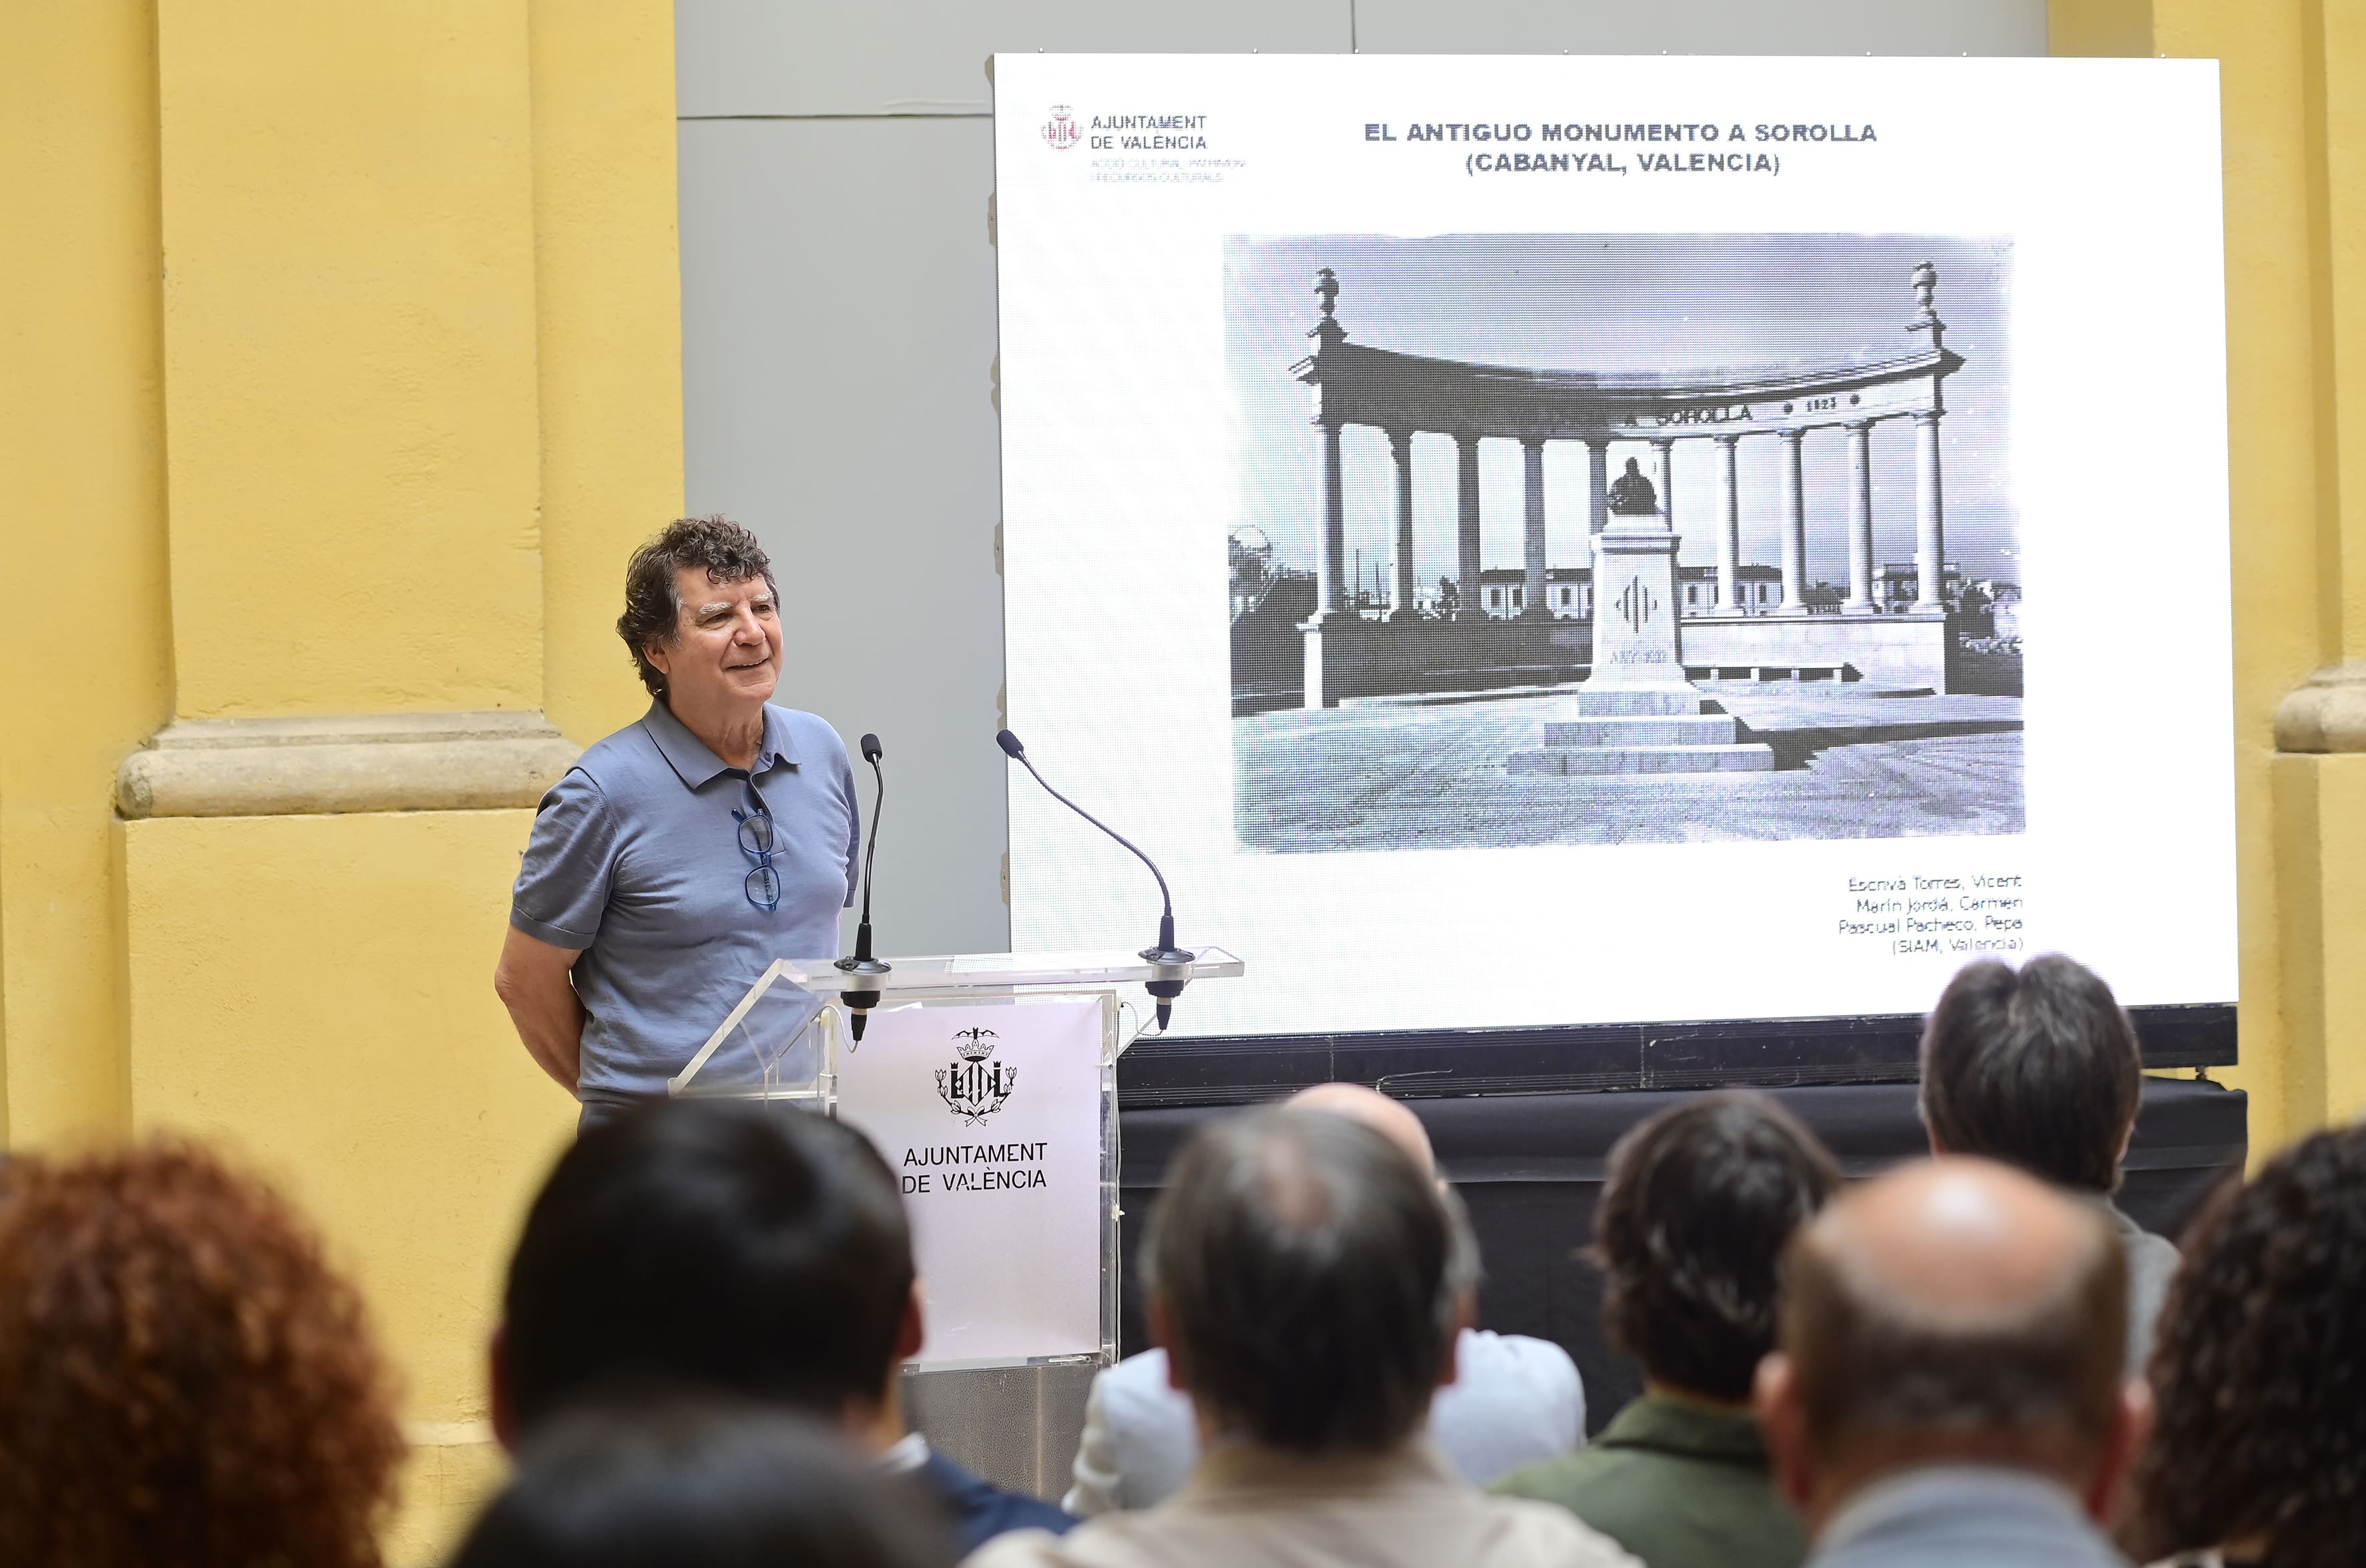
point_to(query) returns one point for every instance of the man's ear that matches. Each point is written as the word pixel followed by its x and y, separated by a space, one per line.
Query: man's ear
pixel 911 1324
pixel 1154 1318
pixel 497 1388
pixel 656 654
pixel 1775 1398
pixel 2131 1426
pixel 1466 1315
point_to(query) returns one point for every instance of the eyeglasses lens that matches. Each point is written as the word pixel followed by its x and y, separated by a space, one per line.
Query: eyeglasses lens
pixel 756 833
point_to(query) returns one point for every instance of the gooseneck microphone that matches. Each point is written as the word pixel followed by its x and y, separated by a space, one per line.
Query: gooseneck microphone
pixel 860 1003
pixel 1170 966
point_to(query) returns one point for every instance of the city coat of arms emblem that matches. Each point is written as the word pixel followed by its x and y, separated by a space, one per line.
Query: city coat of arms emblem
pixel 1061 133
pixel 974 1086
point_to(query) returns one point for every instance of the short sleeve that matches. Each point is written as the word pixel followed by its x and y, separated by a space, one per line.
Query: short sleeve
pixel 1095 1477
pixel 570 862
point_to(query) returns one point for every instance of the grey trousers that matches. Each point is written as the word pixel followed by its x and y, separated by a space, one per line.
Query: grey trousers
pixel 600 1110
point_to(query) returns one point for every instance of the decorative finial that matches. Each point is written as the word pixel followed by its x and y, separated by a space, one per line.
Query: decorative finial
pixel 1326 289
pixel 1926 318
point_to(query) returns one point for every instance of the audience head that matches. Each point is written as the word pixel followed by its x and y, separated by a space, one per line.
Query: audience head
pixel 1951 1310
pixel 1392 1119
pixel 183 1381
pixel 2259 1369
pixel 693 1486
pixel 1308 1279
pixel 1692 1224
pixel 2037 1067
pixel 714 1246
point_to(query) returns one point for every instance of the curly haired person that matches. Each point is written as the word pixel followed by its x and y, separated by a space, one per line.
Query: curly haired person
pixel 1700 1202
pixel 2258 1457
pixel 185 1382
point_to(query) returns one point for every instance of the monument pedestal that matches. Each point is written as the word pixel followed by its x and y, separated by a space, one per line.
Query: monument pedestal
pixel 1636 713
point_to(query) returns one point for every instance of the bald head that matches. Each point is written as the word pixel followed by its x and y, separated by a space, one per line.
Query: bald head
pixel 1955 1307
pixel 1959 1241
pixel 1375 1111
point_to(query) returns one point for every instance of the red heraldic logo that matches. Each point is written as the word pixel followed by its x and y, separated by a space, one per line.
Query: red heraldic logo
pixel 1059 132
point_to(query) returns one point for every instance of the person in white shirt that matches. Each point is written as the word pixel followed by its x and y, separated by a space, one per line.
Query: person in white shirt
pixel 1514 1400
pixel 1309 1281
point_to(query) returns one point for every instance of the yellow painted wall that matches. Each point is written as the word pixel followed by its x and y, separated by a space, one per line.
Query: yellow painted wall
pixel 85 642
pixel 313 992
pixel 341 364
pixel 350 376
pixel 610 317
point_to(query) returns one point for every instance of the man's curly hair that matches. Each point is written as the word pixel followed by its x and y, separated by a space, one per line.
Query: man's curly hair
pixel 653 607
pixel 183 1383
pixel 2258 1369
pixel 1690 1230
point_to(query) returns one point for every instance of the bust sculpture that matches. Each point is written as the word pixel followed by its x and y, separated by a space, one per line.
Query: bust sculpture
pixel 1632 495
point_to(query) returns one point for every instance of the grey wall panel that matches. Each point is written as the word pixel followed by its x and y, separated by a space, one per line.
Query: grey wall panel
pixel 1701 26
pixel 812 56
pixel 838 342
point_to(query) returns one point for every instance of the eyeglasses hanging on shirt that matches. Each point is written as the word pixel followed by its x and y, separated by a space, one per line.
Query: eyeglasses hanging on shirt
pixel 762 885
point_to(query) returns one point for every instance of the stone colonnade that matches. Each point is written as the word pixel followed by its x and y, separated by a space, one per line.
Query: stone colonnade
pixel 1930 547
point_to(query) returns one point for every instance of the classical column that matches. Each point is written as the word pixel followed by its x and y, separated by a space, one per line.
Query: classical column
pixel 1728 529
pixel 1331 568
pixel 1532 449
pixel 1860 524
pixel 1930 527
pixel 1402 606
pixel 1469 605
pixel 1665 452
pixel 1795 525
pixel 1597 484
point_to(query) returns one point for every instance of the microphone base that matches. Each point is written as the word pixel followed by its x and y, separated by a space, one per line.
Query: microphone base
pixel 859 1003
pixel 1171 972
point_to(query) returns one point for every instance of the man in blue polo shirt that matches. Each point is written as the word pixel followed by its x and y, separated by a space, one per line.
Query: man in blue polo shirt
pixel 682 854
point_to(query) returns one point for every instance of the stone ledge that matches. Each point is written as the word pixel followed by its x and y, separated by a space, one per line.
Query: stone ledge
pixel 285 767
pixel 2326 713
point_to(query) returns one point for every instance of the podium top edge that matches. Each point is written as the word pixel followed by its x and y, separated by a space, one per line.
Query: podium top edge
pixel 1001 971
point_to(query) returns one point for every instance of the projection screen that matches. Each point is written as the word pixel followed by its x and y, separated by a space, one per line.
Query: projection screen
pixel 1560 541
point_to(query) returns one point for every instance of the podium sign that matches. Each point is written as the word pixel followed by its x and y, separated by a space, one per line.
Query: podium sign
pixel 991 1116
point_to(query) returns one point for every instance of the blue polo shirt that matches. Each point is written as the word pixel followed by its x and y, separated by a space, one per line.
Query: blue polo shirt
pixel 635 862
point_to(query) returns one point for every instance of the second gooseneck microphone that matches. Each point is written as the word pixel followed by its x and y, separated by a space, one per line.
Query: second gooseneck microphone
pixel 1171 965
pixel 860 1003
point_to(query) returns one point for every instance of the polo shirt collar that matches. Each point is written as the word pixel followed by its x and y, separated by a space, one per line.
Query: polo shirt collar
pixel 1973 1490
pixel 695 764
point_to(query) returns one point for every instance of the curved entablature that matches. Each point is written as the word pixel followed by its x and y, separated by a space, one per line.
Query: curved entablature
pixel 1354 384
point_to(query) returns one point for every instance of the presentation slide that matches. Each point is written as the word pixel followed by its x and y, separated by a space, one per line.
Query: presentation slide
pixel 1559 541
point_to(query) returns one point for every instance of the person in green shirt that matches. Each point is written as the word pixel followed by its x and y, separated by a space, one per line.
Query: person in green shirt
pixel 1693 1219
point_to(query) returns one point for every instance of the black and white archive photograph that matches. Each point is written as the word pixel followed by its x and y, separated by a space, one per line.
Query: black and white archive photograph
pixel 1602 539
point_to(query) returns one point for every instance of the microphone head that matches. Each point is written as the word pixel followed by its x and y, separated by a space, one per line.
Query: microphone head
pixel 1009 744
pixel 872 750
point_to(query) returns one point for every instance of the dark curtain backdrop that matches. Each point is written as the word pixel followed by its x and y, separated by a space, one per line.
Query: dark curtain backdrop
pixel 1530 1166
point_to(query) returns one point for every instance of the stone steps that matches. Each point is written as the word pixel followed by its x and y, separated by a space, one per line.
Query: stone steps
pixel 1573 761
pixel 1657 730
pixel 1597 702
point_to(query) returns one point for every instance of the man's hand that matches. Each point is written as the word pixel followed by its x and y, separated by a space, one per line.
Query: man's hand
pixel 532 982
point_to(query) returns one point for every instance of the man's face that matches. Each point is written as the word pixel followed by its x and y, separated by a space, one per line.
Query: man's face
pixel 727 647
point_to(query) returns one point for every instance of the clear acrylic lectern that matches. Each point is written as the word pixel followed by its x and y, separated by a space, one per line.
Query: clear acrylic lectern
pixel 989 1083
